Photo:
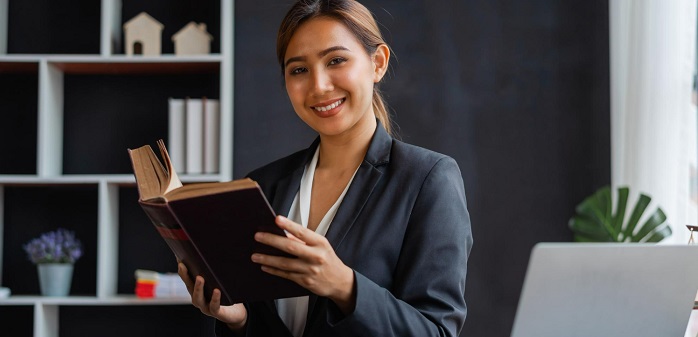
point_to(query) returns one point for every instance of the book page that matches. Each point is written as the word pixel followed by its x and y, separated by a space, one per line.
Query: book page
pixel 202 189
pixel 173 181
pixel 149 173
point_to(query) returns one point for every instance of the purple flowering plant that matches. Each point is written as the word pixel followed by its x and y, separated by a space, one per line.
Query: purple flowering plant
pixel 59 246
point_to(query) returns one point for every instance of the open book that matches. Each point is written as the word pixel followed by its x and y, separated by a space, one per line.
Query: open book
pixel 210 227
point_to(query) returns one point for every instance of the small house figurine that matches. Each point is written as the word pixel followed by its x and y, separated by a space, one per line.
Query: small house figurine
pixel 143 35
pixel 192 39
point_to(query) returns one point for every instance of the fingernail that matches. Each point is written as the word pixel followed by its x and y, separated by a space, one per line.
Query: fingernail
pixel 255 257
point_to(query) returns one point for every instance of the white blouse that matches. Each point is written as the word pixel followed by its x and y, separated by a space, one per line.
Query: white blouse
pixel 293 311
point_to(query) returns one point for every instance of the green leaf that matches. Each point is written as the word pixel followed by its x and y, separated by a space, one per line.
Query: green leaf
pixel 660 235
pixel 594 221
pixel 640 207
pixel 620 209
pixel 654 221
pixel 589 228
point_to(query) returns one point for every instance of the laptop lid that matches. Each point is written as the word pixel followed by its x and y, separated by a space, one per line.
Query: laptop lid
pixel 607 289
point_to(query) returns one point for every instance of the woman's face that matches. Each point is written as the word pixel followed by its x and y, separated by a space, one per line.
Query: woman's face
pixel 330 77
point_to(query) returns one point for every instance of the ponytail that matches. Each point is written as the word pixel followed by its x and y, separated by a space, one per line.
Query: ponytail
pixel 381 111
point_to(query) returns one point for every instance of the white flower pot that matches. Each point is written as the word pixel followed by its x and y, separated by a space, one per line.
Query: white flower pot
pixel 55 278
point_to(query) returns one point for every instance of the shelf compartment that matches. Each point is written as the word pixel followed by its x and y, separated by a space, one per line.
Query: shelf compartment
pixel 141 247
pixel 104 115
pixel 174 18
pixel 53 27
pixel 19 113
pixel 30 211
pixel 160 321
pixel 20 320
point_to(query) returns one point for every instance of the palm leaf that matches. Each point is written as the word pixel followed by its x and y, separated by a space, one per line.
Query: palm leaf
pixel 595 222
pixel 594 216
pixel 651 226
pixel 620 209
pixel 640 207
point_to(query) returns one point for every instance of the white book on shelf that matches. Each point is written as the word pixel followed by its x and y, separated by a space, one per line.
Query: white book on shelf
pixel 212 116
pixel 195 136
pixel 176 138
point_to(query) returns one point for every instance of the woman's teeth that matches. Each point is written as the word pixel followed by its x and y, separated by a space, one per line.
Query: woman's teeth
pixel 329 107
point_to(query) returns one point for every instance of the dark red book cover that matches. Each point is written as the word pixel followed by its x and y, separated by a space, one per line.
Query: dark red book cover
pixel 213 234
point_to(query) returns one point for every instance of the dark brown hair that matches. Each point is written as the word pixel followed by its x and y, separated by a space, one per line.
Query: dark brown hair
pixel 354 16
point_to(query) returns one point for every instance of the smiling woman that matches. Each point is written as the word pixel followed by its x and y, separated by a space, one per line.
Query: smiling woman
pixel 330 79
pixel 379 229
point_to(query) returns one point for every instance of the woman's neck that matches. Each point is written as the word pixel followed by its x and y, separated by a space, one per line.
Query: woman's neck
pixel 346 151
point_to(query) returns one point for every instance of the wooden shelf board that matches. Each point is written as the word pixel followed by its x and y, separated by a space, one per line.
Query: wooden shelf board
pixel 92 300
pixel 117 64
pixel 24 67
pixel 119 179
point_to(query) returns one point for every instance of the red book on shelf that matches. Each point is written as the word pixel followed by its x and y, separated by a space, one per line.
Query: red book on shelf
pixel 210 227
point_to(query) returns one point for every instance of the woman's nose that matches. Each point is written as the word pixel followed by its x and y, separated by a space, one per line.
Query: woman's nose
pixel 322 82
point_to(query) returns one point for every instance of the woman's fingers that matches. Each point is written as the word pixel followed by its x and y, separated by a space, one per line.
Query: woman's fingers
pixel 215 305
pixel 234 315
pixel 298 242
pixel 184 275
pixel 197 297
pixel 299 232
pixel 279 262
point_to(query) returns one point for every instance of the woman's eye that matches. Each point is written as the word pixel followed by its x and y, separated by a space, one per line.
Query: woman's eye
pixel 337 60
pixel 296 71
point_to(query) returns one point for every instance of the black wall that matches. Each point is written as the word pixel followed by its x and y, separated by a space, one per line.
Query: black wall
pixel 517 92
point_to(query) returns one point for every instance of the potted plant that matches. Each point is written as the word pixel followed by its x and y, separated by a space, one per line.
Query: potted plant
pixel 595 220
pixel 54 254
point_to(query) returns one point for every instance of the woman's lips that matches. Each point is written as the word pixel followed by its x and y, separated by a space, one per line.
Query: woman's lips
pixel 329 110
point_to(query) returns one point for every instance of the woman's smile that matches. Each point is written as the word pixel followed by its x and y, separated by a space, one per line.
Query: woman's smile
pixel 328 110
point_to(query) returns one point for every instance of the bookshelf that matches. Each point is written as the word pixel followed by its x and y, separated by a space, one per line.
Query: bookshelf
pixel 69 102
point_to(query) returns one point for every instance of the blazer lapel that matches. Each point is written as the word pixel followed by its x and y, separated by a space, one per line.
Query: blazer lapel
pixel 365 180
pixel 285 192
pixel 287 188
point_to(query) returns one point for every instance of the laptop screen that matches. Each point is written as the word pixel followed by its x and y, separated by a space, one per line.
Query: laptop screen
pixel 607 289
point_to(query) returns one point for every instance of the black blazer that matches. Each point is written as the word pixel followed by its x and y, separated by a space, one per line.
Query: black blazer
pixel 403 227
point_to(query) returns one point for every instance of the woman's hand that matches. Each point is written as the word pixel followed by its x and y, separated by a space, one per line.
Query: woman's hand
pixel 235 316
pixel 316 268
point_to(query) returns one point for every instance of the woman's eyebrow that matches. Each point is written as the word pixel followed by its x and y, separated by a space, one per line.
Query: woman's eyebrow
pixel 322 53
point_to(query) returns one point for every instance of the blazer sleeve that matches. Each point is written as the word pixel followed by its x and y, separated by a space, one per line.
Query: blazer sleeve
pixel 427 296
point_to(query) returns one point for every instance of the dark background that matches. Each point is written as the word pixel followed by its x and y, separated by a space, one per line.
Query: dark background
pixel 516 91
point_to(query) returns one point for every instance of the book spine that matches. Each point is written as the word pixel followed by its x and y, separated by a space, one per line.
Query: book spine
pixel 176 143
pixel 181 245
pixel 195 135
pixel 211 135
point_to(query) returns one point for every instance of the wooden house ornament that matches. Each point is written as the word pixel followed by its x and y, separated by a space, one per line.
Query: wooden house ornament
pixel 143 35
pixel 192 39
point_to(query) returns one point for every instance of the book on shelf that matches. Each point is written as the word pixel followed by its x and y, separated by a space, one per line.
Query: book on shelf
pixel 176 141
pixel 212 117
pixel 210 227
pixel 194 135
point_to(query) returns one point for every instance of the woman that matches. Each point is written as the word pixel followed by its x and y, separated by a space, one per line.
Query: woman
pixel 380 228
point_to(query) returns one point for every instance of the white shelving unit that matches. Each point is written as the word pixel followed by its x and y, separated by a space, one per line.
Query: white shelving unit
pixel 50 151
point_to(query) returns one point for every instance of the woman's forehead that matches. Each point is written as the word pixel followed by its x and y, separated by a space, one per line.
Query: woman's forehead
pixel 320 33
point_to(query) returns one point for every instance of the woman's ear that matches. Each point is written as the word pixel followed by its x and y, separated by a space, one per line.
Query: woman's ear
pixel 380 62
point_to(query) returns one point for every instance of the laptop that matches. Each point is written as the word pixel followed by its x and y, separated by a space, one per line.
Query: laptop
pixel 607 289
